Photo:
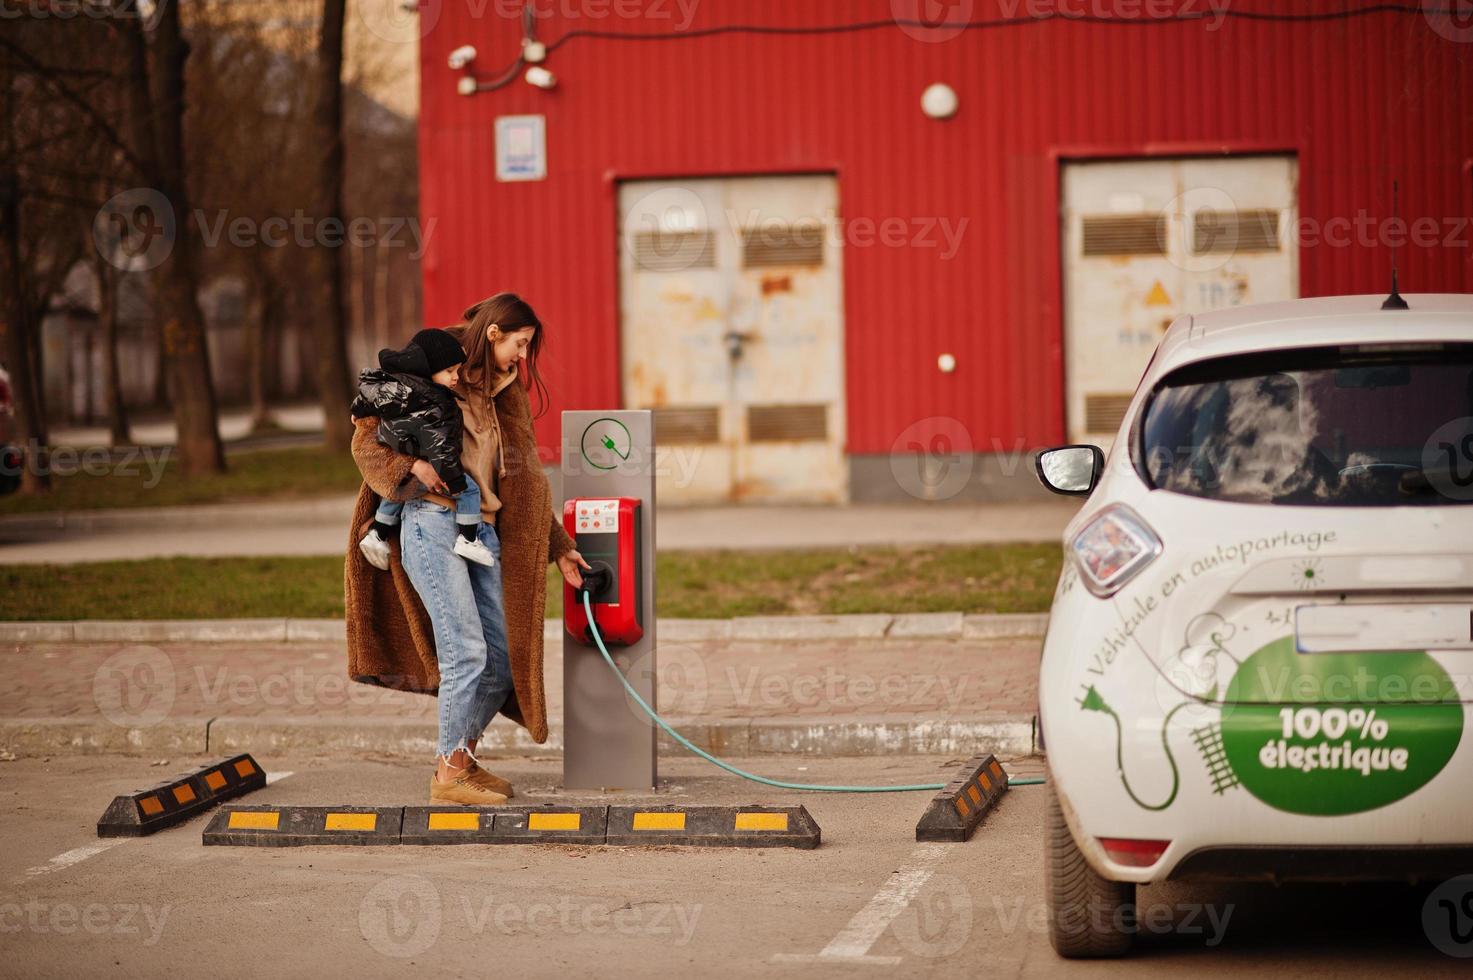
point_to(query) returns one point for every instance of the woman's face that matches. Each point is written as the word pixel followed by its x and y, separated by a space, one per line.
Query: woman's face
pixel 511 348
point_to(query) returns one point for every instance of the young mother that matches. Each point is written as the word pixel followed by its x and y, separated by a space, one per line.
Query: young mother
pixel 435 623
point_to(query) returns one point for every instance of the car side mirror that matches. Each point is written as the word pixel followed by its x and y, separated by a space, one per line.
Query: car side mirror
pixel 1071 470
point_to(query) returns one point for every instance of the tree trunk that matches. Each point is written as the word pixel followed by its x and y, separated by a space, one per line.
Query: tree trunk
pixel 15 332
pixel 157 127
pixel 112 376
pixel 260 348
pixel 331 333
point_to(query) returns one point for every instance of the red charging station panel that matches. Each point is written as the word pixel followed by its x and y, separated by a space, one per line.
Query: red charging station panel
pixel 606 531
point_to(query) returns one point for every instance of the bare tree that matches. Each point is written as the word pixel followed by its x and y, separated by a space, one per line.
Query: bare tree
pixel 15 332
pixel 160 150
pixel 332 336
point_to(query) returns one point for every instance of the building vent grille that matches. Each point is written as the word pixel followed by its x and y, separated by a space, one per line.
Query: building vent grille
pixel 784 423
pixel 1125 234
pixel 1216 232
pixel 1104 412
pixel 771 245
pixel 674 251
pixel 687 424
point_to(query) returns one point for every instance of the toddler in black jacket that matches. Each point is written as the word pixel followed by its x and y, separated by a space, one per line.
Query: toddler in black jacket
pixel 410 394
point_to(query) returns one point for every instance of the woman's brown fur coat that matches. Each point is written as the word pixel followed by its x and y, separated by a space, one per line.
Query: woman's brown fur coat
pixel 390 641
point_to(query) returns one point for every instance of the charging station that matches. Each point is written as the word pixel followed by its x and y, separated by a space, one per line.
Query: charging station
pixel 608 476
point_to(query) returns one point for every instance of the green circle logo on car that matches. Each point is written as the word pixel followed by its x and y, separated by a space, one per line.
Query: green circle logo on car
pixel 1339 732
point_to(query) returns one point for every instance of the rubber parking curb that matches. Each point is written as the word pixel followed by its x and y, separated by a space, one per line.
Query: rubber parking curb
pixel 698 826
pixel 955 812
pixel 547 824
pixel 713 826
pixel 172 802
pixel 293 826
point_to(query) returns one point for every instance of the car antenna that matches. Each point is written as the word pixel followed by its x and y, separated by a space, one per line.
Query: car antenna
pixel 1394 301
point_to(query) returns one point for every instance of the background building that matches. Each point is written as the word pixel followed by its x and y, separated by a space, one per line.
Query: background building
pixel 827 293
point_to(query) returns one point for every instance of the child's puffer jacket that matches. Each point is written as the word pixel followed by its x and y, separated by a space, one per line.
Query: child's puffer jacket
pixel 416 417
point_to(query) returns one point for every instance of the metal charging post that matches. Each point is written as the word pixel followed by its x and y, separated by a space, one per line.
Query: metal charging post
pixel 608 742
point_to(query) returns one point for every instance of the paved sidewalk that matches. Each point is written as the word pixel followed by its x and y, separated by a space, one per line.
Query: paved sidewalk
pixel 319 527
pixel 735 697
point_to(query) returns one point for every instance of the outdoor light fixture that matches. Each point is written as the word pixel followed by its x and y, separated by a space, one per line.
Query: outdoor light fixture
pixel 467 85
pixel 939 101
pixel 461 57
pixel 541 77
pixel 533 52
pixel 947 363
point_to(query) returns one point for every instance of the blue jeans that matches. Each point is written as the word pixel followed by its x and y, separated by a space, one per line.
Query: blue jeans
pixel 467 507
pixel 463 600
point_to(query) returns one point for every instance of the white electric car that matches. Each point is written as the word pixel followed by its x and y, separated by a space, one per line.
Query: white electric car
pixel 1259 654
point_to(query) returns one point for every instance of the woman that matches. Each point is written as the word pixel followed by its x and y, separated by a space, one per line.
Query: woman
pixel 471 634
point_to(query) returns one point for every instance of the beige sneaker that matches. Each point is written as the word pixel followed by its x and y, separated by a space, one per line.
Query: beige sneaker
pixel 463 788
pixel 491 781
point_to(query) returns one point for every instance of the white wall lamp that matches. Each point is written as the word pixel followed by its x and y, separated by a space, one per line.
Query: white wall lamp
pixel 939 101
pixel 541 77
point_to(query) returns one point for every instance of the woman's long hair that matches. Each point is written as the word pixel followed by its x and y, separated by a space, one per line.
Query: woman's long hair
pixel 510 313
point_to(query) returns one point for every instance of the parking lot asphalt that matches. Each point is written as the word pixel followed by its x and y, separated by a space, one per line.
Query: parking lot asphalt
pixel 869 900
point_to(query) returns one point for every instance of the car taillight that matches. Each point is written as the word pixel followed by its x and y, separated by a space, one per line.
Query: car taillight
pixel 1113 548
pixel 1134 853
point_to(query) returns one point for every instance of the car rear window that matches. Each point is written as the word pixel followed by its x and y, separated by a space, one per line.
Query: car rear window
pixel 1351 426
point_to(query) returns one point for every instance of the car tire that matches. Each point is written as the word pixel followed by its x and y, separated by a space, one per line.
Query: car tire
pixel 1089 916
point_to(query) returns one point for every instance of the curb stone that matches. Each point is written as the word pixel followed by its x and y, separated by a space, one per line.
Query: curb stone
pixel 877 626
pixel 729 737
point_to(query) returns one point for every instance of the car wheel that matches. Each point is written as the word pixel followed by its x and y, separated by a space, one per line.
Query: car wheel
pixel 1089 916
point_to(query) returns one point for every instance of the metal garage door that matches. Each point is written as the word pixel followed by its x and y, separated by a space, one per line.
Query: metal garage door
pixel 1148 240
pixel 732 332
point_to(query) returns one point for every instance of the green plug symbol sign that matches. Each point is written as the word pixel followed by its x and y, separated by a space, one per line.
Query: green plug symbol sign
pixel 606 443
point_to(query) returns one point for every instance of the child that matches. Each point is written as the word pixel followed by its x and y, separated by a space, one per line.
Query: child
pixel 418 416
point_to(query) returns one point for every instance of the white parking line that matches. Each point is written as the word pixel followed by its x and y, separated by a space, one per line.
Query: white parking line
pixel 852 944
pixel 75 855
pixel 78 854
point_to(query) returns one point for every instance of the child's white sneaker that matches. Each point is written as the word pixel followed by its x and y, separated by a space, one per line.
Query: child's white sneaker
pixel 376 550
pixel 474 550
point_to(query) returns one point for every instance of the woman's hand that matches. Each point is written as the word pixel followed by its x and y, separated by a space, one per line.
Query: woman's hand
pixel 569 564
pixel 425 473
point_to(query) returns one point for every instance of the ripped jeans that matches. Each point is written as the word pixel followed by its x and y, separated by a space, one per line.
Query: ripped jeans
pixel 463 600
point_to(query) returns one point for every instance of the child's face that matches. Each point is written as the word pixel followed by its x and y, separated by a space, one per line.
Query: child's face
pixel 450 377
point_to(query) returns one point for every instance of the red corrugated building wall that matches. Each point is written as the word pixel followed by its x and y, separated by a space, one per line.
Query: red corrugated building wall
pixel 1359 100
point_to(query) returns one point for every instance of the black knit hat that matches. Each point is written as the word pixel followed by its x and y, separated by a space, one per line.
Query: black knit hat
pixel 441 349
pixel 429 352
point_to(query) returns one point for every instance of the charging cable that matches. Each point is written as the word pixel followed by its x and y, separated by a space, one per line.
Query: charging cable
pixel 599 640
